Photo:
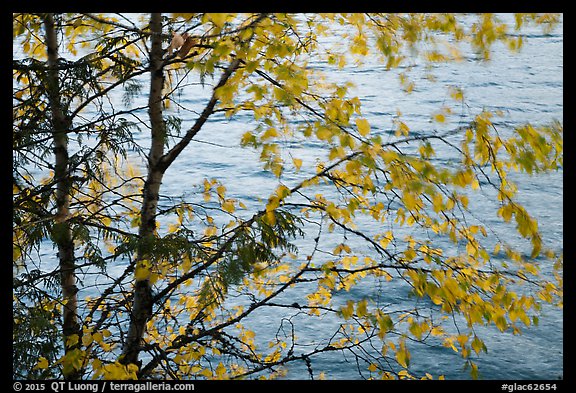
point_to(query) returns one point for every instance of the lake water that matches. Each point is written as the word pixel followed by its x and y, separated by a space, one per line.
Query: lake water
pixel 527 87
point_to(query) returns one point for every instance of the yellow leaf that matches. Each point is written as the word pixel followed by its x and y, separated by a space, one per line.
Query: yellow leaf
pixel 323 134
pixel 221 190
pixel 506 212
pixel 449 343
pixel 141 273
pixel 457 94
pixel 217 18
pixel 96 364
pixel 337 152
pixel 348 310
pixel 154 278
pixel 440 118
pixel 475 184
pixel 297 163
pixel 361 308
pixel 437 202
pixel 474 370
pixel 269 218
pixel 471 248
pixel 411 201
pixel 403 129
pixel 120 371
pixel 105 346
pixel 98 337
pixel 282 191
pixel 388 237
pixel 276 169
pixel 403 356
pixel 363 126
pixel 478 345
pixel 228 206
pixel 210 231
pixel 42 364
pixel 497 248
pixel 269 133
pixel 72 340
pixel 87 339
pixel 416 329
pixel 409 254
pixel 500 322
pixel 273 203
pixel 220 370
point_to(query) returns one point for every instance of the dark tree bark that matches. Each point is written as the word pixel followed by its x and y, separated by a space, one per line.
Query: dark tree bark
pixel 158 163
pixel 142 302
pixel 62 233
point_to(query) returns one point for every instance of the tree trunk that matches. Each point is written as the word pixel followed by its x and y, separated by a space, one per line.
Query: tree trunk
pixel 158 163
pixel 142 302
pixel 62 233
